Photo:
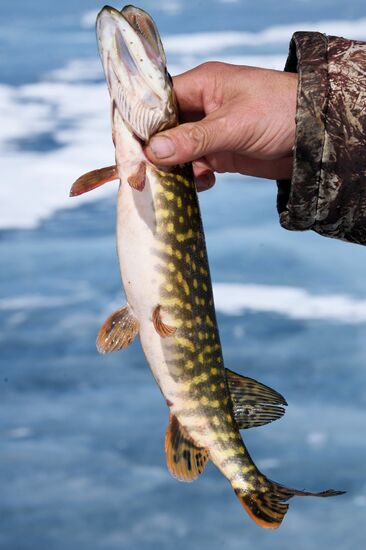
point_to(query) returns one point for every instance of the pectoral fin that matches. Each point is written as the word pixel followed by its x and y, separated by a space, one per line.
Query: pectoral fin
pixel 161 328
pixel 137 178
pixel 118 331
pixel 92 180
pixel 184 459
pixel 254 404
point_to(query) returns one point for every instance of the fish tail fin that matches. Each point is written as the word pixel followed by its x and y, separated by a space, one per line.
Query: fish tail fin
pixel 267 503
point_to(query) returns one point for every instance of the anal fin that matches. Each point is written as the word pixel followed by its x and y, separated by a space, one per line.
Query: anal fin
pixel 118 330
pixel 185 460
pixel 254 404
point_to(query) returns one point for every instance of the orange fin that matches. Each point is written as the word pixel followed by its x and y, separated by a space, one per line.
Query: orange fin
pixel 118 331
pixel 185 460
pixel 137 180
pixel 92 180
pixel 161 328
pixel 267 504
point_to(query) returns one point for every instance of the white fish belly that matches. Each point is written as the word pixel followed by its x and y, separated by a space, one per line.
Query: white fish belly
pixel 136 248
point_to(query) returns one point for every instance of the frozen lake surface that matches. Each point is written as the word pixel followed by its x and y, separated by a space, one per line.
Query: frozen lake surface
pixel 82 460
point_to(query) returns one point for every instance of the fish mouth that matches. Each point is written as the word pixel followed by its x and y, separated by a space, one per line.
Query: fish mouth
pixel 134 64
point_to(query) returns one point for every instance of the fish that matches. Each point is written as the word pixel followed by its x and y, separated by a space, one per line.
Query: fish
pixel 166 277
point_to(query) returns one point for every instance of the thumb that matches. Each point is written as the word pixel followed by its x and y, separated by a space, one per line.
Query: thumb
pixel 187 142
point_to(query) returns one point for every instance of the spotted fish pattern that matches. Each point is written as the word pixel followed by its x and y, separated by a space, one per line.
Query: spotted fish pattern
pixel 194 352
pixel 204 408
pixel 166 277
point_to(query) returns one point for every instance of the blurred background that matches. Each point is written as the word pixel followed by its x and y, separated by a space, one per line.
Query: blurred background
pixel 82 460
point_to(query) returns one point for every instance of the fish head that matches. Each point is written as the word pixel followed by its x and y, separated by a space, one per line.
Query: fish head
pixel 134 64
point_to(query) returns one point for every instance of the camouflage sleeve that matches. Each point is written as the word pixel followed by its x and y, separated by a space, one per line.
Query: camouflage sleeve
pixel 328 188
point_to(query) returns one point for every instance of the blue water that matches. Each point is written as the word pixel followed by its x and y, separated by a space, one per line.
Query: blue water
pixel 82 460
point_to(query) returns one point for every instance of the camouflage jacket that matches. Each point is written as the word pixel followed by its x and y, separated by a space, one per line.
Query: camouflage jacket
pixel 328 188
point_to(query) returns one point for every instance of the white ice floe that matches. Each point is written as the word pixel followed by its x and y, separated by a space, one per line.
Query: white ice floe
pixel 212 42
pixel 317 440
pixel 19 433
pixel 23 302
pixel 78 70
pixel 36 183
pixel 296 303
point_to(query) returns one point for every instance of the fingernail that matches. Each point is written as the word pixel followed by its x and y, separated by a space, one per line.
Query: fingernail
pixel 162 147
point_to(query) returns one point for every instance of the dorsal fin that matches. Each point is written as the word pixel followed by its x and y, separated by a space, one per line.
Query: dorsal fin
pixel 254 404
pixel 185 460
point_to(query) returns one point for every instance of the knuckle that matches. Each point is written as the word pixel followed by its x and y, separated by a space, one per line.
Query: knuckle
pixel 211 66
pixel 199 137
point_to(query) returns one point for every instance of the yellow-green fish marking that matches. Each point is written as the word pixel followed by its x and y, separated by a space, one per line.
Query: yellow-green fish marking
pixel 165 273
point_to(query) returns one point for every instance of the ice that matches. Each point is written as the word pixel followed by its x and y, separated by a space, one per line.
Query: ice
pixel 212 42
pixel 296 303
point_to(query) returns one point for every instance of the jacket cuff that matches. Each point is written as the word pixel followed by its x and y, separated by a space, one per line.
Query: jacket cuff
pixel 328 188
pixel 297 200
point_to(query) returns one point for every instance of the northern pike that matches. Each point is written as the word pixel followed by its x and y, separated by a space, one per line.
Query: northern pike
pixel 166 278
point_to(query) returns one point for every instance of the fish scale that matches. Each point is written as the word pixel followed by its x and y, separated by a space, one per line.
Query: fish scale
pixel 186 282
pixel 184 267
pixel 166 277
pixel 197 338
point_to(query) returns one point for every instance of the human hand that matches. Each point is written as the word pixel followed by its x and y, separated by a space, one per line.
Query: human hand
pixel 235 119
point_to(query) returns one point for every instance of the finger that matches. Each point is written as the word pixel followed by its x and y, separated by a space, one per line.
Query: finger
pixel 205 181
pixel 190 88
pixel 200 167
pixel 203 175
pixel 189 141
pixel 269 169
pixel 234 163
pixel 189 99
pixel 200 91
